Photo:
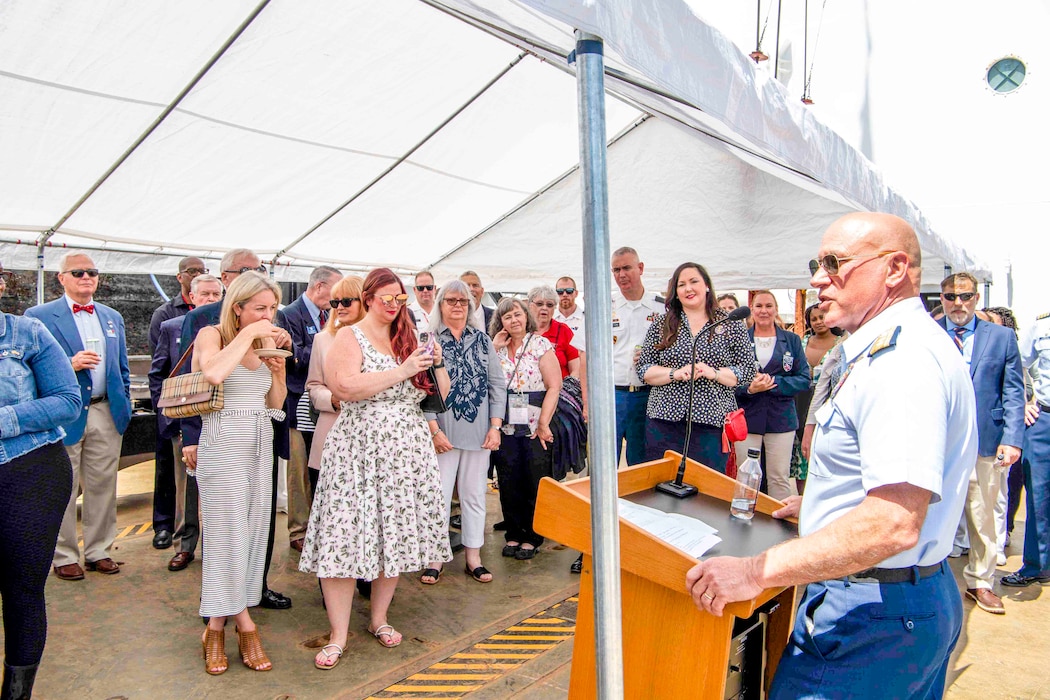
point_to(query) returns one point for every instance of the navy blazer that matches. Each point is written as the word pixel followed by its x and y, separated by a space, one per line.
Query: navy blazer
pixel 303 329
pixel 58 318
pixel 995 368
pixel 166 354
pixel 774 411
pixel 193 322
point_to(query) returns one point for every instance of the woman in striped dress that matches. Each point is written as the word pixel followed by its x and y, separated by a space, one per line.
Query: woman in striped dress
pixel 234 463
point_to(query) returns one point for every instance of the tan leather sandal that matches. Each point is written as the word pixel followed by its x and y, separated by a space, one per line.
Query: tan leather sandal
pixel 214 647
pixel 250 646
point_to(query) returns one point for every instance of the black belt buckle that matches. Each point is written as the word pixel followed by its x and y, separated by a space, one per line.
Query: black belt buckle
pixel 631 388
pixel 97 399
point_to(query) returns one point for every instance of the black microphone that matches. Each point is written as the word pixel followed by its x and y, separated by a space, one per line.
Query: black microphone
pixel 676 488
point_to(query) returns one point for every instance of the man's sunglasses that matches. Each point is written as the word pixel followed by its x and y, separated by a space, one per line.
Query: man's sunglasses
pixel 833 263
pixel 336 303
pixel 424 287
pixel 195 271
pixel 963 296
pixel 90 272
pixel 565 290
pixel 261 268
pixel 389 299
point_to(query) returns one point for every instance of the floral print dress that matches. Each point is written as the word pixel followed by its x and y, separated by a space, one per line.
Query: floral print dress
pixel 378 510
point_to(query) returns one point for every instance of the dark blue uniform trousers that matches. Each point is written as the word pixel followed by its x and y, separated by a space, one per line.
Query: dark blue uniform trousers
pixel 1036 466
pixel 871 640
pixel 630 424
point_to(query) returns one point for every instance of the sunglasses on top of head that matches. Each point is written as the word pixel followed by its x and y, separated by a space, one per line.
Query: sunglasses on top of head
pixel 347 302
pixel 261 268
pixel 78 273
pixel 389 299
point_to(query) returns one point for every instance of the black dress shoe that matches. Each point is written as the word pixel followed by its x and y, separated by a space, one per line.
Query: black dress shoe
pixel 456 521
pixel 364 588
pixel 274 600
pixel 577 566
pixel 1016 580
pixel 162 539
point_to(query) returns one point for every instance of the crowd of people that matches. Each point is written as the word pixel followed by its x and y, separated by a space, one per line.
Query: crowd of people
pixel 387 411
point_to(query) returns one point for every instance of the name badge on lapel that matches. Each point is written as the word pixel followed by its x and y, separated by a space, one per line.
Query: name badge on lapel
pixel 310 330
pixel 111 330
pixel 789 361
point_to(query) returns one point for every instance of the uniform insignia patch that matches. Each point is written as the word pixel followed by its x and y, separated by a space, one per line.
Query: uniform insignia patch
pixel 886 341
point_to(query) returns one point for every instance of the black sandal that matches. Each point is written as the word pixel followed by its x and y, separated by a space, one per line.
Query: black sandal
pixel 430 573
pixel 523 553
pixel 478 573
pixel 511 550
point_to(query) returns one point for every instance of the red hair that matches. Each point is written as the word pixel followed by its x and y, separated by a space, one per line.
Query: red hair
pixel 402 329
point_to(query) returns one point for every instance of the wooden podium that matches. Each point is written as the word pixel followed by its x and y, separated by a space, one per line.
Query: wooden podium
pixel 671 649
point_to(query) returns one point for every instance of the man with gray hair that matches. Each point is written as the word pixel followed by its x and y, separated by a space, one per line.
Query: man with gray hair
pixel 305 318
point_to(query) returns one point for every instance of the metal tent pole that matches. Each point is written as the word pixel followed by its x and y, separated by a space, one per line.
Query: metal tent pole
pixel 597 278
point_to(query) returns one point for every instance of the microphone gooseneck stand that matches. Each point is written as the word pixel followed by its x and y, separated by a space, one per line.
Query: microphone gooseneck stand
pixel 677 487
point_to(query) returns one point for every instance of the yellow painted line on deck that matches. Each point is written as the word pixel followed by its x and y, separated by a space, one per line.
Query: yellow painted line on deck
pixel 502 652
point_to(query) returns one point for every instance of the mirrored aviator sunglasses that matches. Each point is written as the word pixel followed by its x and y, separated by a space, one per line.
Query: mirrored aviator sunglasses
pixel 389 299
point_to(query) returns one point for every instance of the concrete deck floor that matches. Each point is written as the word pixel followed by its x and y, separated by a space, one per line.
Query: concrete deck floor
pixel 136 635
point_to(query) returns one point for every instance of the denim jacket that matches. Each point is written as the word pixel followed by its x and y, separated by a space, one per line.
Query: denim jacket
pixel 38 389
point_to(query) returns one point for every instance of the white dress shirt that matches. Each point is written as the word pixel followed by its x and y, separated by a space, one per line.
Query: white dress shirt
pixel 90 329
pixel 630 323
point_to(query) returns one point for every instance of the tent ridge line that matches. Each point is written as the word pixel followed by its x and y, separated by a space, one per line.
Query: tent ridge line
pixel 535 195
pixel 406 155
pixel 80 91
pixel 159 119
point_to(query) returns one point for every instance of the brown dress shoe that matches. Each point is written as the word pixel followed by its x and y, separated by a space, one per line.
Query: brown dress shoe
pixel 297 545
pixel 69 572
pixel 986 600
pixel 103 566
pixel 180 561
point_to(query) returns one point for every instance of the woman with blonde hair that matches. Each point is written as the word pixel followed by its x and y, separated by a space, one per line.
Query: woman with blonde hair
pixel 234 463
pixel 347 310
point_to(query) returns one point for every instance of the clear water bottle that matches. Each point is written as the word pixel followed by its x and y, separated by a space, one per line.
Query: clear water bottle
pixel 748 481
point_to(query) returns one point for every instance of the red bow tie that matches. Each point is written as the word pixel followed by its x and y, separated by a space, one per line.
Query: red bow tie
pixel 90 308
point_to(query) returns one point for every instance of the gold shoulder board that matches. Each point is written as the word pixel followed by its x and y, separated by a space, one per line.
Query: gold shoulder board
pixel 884 342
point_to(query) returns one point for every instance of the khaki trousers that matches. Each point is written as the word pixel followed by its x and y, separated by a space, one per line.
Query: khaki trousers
pixel 298 487
pixel 95 460
pixel 983 492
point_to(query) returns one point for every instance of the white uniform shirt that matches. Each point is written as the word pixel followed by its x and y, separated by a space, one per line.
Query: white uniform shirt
pixel 575 322
pixel 90 328
pixel 1035 354
pixel 422 317
pixel 906 415
pixel 630 323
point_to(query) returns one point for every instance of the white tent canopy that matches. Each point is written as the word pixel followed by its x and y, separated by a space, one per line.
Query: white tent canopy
pixel 408 133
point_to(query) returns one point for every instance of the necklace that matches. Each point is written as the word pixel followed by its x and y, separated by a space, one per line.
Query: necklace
pixel 765 342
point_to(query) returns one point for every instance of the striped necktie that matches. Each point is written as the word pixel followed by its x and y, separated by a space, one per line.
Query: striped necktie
pixel 958 337
pixel 322 316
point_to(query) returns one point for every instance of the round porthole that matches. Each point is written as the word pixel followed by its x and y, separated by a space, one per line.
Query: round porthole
pixel 1006 74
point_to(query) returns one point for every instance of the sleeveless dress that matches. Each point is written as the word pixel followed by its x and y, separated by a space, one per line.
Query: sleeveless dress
pixel 378 509
pixel 235 481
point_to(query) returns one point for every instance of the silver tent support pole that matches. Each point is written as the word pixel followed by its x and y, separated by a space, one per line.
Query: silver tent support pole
pixel 41 242
pixel 601 453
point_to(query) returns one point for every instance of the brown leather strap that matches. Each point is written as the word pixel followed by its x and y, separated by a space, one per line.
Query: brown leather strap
pixel 178 365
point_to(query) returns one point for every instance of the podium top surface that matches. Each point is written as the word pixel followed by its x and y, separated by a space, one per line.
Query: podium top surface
pixel 740 538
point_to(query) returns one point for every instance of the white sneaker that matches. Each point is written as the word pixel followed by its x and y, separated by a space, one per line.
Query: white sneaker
pixel 958 551
pixel 1000 559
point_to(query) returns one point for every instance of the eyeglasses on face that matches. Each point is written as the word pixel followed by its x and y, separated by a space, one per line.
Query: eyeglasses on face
pixel 261 268
pixel 346 301
pixel 391 299
pixel 961 296
pixel 833 263
pixel 565 290
pixel 78 273
pixel 424 287
pixel 457 302
pixel 196 271
pixel 544 304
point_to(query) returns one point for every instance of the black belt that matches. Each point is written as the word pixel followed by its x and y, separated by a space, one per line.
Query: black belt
pixel 1043 407
pixel 908 573
pixel 631 388
pixel 97 399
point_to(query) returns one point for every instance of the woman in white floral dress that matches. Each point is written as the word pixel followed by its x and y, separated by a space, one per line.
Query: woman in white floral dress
pixel 378 510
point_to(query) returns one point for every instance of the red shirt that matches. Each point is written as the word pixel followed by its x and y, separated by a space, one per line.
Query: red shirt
pixel 560 336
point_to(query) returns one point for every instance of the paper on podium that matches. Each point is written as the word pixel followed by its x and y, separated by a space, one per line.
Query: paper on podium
pixel 688 534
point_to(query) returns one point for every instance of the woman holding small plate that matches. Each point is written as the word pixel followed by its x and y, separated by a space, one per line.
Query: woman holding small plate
pixel 234 462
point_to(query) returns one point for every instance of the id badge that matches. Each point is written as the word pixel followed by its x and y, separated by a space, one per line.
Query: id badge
pixel 518 409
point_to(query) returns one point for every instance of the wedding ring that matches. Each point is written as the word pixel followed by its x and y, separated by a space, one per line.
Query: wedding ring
pixel 709 596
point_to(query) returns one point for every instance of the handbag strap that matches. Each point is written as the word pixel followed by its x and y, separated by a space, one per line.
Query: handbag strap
pixel 182 360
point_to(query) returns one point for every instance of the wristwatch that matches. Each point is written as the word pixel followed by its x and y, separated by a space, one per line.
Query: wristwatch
pixel 672 375
pixel 439 365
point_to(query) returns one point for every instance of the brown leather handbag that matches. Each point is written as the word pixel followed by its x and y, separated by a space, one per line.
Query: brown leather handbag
pixel 190 394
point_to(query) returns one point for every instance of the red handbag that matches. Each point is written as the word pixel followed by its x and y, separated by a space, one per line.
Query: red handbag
pixel 735 430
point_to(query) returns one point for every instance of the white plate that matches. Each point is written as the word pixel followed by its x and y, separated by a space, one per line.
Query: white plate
pixel 273 352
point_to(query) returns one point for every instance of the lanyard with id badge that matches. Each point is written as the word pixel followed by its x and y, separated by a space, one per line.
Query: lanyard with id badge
pixel 518 402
